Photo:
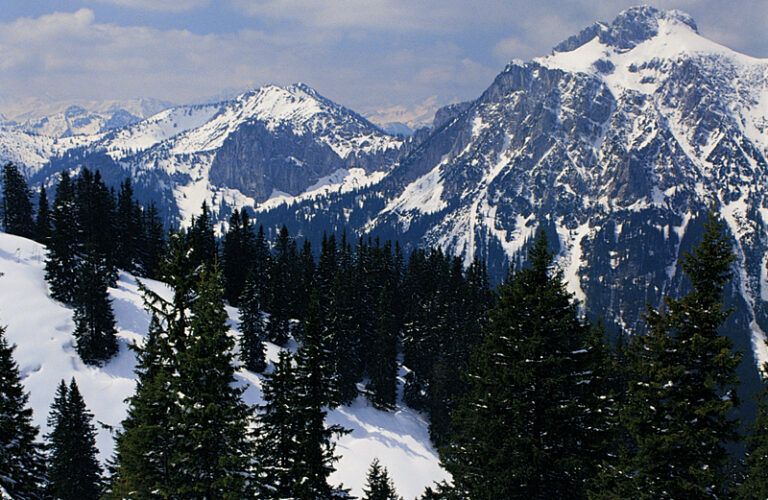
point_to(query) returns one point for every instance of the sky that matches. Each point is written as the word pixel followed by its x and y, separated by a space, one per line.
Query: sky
pixel 371 55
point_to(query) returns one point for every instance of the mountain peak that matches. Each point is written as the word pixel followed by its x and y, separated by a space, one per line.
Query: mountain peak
pixel 629 29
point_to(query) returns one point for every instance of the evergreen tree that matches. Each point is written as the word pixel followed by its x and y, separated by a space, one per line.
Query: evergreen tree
pixel 202 239
pixel 382 367
pixel 252 327
pixel 282 288
pixel 127 228
pixel 316 357
pixel 277 426
pixel 145 452
pixel 143 448
pixel 238 255
pixel 61 258
pixel 682 388
pixel 43 220
pixel 95 333
pixel 95 217
pixel 22 465
pixel 152 242
pixel 212 458
pixel 295 450
pixel 342 324
pixel 518 432
pixel 74 472
pixel 379 485
pixel 755 485
pixel 17 204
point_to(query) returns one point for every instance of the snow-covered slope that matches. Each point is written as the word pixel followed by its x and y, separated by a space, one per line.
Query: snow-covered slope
pixel 617 143
pixel 272 141
pixel 42 331
pixel 64 119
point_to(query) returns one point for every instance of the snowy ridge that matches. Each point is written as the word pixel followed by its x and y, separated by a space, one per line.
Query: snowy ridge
pixel 616 144
pixel 231 154
pixel 42 331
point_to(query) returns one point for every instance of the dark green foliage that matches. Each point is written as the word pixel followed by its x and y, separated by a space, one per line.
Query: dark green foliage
pixel 61 258
pixel 143 447
pixel 95 221
pixel 678 412
pixel 128 229
pixel 316 356
pixel 74 472
pixel 519 432
pixel 239 250
pixel 379 485
pixel 22 465
pixel 755 485
pixel 283 278
pixel 43 220
pixel 382 366
pixel 151 244
pixel 95 333
pixel 202 240
pixel 186 385
pixel 442 491
pixel 17 204
pixel 295 450
pixel 212 458
pixel 275 448
pixel 253 331
pixel 444 314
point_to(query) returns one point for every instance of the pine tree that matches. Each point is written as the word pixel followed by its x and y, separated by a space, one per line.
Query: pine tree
pixel 518 432
pixel 17 205
pixel 43 220
pixel 212 458
pixel 127 228
pixel 238 255
pixel 95 333
pixel 95 217
pixel 316 356
pixel 152 243
pixel 682 388
pixel 342 323
pixel 146 458
pixel 22 465
pixel 282 286
pixel 379 485
pixel 74 472
pixel 295 450
pixel 382 367
pixel 276 430
pixel 252 327
pixel 143 448
pixel 61 258
pixel 755 485
pixel 202 239
pixel 314 441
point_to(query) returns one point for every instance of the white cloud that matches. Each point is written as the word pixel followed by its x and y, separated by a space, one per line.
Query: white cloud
pixel 158 5
pixel 74 56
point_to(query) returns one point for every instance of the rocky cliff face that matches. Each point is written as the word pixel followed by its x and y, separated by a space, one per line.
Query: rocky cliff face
pixel 271 142
pixel 617 144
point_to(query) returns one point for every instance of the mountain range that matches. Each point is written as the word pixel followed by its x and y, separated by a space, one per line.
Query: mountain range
pixel 617 143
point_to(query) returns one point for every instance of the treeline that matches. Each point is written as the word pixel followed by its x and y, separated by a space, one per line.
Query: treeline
pixel 90 232
pixel 525 397
pixel 187 433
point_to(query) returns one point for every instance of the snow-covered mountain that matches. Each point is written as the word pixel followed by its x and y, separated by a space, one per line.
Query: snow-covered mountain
pixel 617 142
pixel 274 142
pixel 42 331
pixel 60 119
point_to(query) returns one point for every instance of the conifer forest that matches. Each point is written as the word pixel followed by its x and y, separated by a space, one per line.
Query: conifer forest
pixel 523 395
